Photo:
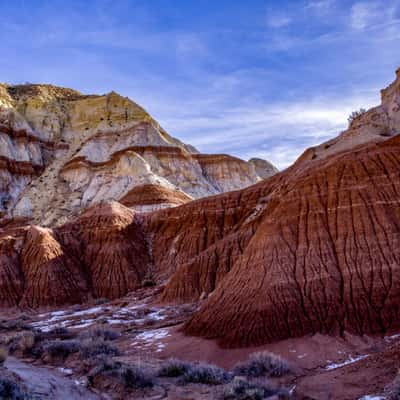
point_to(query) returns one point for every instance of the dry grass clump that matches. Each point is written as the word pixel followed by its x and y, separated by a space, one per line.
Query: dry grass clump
pixel 3 355
pixel 241 389
pixel 134 376
pixel 98 347
pixel 173 368
pixel 207 374
pixel 262 364
pixel 61 349
pixel 100 333
pixel 22 342
pixel 194 372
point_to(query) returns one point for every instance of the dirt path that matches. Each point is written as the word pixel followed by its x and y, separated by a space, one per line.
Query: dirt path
pixel 49 383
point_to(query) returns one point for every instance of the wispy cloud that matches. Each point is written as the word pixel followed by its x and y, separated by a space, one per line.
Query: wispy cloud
pixel 250 81
pixel 278 21
pixel 368 14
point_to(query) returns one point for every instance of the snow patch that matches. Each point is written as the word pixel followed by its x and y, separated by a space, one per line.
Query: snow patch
pixel 153 335
pixel 350 360
pixel 65 371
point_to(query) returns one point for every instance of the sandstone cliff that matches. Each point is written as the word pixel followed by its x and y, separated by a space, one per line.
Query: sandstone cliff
pixel 62 151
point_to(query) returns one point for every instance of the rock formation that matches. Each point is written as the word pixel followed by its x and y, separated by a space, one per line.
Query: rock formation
pixel 314 248
pixel 264 168
pixel 62 151
pixel 375 125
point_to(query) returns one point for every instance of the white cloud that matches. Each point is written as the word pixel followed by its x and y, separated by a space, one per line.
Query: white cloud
pixel 369 14
pixel 363 14
pixel 320 5
pixel 278 21
pixel 277 132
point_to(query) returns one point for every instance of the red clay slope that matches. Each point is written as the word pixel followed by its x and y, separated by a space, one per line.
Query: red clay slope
pixel 324 255
pixel 102 253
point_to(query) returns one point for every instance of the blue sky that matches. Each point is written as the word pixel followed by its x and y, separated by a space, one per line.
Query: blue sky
pixel 250 78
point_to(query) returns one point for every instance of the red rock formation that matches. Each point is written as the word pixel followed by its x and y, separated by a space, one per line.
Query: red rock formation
pixel 52 276
pixel 315 248
pixel 103 253
pixel 153 194
pixel 324 256
pixel 11 277
pixel 110 244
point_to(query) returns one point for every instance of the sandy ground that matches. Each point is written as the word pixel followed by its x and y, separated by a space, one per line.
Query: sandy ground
pixel 325 367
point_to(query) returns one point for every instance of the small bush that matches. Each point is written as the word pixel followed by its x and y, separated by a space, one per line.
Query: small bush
pixel 130 376
pixel 59 330
pixel 262 364
pixel 62 348
pixel 12 391
pixel 22 342
pixel 101 333
pixel 243 390
pixel 355 114
pixel 135 377
pixel 94 348
pixel 173 368
pixel 3 355
pixel 207 374
pixel 13 325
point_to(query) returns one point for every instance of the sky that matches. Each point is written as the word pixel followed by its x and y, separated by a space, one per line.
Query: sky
pixel 253 78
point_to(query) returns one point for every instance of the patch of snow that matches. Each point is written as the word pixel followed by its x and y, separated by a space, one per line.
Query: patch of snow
pixel 84 323
pixel 153 335
pixel 92 310
pixel 393 337
pixel 65 371
pixel 371 397
pixel 301 355
pixel 350 360
pixel 117 321
pixel 45 326
pixel 54 313
pixel 157 315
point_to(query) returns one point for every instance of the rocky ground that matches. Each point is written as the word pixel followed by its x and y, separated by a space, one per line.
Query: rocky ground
pixel 85 352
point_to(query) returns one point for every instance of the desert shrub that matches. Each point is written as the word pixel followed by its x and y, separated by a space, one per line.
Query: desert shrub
pixel 355 114
pixel 27 341
pixel 94 348
pixel 14 324
pixel 10 390
pixel 241 389
pixel 207 374
pixel 262 363
pixel 59 330
pixel 23 342
pixel 100 333
pixel 3 355
pixel 173 368
pixel 133 376
pixel 61 348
